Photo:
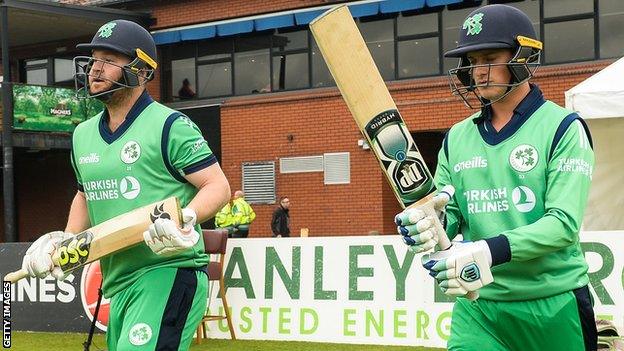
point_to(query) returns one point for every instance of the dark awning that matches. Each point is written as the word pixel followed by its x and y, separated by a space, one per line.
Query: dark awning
pixel 34 22
pixel 288 19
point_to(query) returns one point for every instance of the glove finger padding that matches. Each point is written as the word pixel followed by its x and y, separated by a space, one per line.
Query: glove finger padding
pixel 409 216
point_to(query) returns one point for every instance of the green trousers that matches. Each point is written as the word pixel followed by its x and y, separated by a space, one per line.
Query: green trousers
pixel 160 311
pixel 563 322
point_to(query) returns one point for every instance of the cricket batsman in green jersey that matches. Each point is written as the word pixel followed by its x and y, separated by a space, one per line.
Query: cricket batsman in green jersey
pixel 134 153
pixel 521 168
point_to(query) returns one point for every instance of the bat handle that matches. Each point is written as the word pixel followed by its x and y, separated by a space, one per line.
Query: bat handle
pixel 14 277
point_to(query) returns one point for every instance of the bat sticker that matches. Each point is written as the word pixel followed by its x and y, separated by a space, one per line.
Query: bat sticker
pixel 399 155
pixel 159 212
pixel 73 252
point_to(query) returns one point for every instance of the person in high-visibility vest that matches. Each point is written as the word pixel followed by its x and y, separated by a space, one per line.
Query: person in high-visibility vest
pixel 224 219
pixel 242 214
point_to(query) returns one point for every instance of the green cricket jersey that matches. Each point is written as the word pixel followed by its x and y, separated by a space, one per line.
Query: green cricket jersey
pixel 524 189
pixel 142 162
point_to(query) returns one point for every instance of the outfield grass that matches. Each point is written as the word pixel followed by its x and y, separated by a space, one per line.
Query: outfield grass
pixel 23 341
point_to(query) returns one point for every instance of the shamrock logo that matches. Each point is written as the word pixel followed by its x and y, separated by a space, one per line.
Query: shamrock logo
pixel 107 30
pixel 526 156
pixel 130 152
pixel 523 158
pixel 473 24
pixel 140 334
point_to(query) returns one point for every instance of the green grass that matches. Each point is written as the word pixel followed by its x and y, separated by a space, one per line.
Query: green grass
pixel 23 341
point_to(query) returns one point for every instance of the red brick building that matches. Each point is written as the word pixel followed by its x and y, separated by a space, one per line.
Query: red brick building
pixel 301 113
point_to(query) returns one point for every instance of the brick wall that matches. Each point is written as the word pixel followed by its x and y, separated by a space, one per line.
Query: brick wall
pixel 256 129
pixel 179 12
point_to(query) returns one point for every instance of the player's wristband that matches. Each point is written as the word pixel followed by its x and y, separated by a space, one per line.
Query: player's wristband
pixel 500 249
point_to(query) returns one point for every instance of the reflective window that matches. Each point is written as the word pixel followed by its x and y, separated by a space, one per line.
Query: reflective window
pixel 556 8
pixel 215 50
pixel 31 63
pixel 63 70
pixel 37 71
pixel 321 77
pixel 290 40
pixel 611 28
pixel 290 71
pixel 569 41
pixel 182 68
pixel 419 24
pixel 37 76
pixel 379 37
pixel 418 57
pixel 251 66
pixel 214 79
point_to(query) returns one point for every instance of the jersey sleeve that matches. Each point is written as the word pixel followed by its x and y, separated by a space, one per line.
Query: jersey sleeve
pixel 187 150
pixel 568 179
pixel 442 178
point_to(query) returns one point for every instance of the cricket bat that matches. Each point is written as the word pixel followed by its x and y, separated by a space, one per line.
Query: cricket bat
pixel 374 111
pixel 116 234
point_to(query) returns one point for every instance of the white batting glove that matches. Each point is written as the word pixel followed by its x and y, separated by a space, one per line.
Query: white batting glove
pixel 420 226
pixel 462 269
pixel 165 238
pixel 38 258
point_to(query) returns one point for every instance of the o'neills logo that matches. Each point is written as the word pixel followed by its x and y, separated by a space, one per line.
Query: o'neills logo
pixel 92 158
pixel 475 162
pixel 60 112
pixel 89 284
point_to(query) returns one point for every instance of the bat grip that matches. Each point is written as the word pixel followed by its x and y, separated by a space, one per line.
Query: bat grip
pixel 14 277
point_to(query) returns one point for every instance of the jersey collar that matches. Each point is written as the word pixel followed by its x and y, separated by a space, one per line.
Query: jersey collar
pixel 522 112
pixel 109 137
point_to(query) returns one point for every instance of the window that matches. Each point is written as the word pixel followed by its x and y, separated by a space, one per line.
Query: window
pixel 405 46
pixel 379 38
pixel 557 8
pixel 214 69
pixel 321 77
pixel 569 41
pixel 182 68
pixel 418 45
pixel 611 28
pixel 290 60
pixel 63 70
pixel 568 30
pixel 251 65
pixel 37 71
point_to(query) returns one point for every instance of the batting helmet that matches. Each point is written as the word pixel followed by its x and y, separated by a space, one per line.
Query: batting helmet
pixel 496 27
pixel 124 37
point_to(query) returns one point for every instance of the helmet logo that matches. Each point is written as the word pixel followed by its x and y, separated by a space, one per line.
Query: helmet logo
pixel 473 24
pixel 107 30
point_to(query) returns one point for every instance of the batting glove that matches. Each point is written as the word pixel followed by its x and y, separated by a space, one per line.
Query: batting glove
pixel 38 258
pixel 420 226
pixel 165 238
pixel 462 269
